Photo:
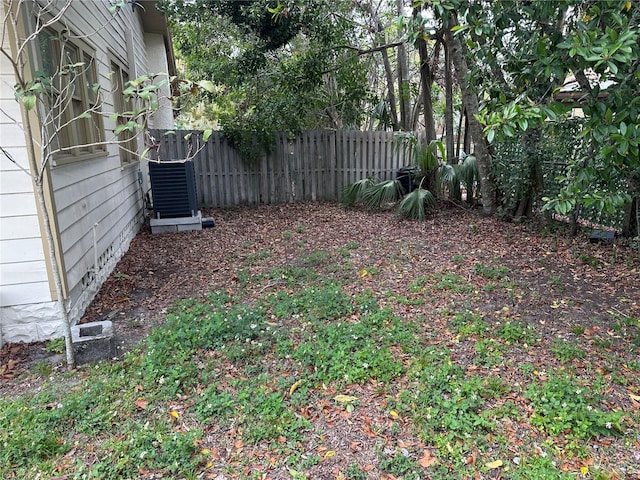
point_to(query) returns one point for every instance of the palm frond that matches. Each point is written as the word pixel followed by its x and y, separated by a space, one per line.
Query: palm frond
pixel 448 180
pixel 354 192
pixel 405 143
pixel 468 174
pixel 426 156
pixel 380 193
pixel 414 205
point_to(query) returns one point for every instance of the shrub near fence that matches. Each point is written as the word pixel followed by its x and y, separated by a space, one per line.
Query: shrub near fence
pixel 558 147
pixel 313 166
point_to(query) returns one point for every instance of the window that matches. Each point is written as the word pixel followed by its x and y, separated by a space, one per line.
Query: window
pixel 73 117
pixel 127 140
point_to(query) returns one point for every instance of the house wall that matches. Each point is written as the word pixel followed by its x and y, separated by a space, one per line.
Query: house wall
pixel 98 201
pixel 163 118
pixel 25 295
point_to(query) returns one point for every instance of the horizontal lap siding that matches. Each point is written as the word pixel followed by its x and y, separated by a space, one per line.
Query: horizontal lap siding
pixel 23 276
pixel 312 166
pixel 99 192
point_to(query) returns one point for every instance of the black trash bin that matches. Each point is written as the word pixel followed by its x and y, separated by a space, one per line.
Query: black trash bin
pixel 406 176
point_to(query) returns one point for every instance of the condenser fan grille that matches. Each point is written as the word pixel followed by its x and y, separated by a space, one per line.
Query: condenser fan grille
pixel 173 185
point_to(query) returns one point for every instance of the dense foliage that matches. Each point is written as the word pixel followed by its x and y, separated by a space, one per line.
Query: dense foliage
pixel 293 65
pixel 278 69
pixel 527 52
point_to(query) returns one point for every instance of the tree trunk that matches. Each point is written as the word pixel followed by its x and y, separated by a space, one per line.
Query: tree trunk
pixel 470 101
pixel 448 113
pixel 459 132
pixel 426 79
pixel 403 81
pixel 631 223
pixel 391 96
pixel 11 18
pixel 38 177
pixel 631 215
pixel 467 137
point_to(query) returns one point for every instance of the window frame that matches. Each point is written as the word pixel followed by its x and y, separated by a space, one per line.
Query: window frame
pixel 128 146
pixel 78 139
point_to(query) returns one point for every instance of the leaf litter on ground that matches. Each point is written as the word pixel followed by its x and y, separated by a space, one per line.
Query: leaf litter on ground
pixel 361 346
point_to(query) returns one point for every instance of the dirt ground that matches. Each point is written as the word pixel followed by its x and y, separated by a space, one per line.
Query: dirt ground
pixel 159 269
pixel 559 282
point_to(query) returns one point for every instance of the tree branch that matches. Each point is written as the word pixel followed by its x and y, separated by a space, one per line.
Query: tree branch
pixel 379 48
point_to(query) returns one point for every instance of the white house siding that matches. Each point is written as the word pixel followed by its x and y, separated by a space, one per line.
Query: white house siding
pixel 98 201
pixel 25 295
pixel 163 118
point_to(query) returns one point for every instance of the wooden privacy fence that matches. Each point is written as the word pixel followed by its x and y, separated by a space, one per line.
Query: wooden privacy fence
pixel 315 165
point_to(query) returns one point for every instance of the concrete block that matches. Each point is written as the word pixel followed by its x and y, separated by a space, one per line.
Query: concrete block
pixel 180 224
pixel 602 236
pixel 93 341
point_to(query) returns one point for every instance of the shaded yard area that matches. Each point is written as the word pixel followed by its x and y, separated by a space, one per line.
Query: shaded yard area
pixel 309 341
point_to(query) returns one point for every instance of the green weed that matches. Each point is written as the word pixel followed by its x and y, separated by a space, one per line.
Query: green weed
pixel 401 465
pixel 444 400
pixel 315 258
pixel 293 276
pixel 55 346
pixel 457 258
pixel 352 351
pixel 354 472
pixel 42 368
pixel 467 323
pixel 265 415
pixel 557 283
pixel 577 329
pixel 326 301
pixel 492 273
pixel 441 282
pixel 565 405
pixel 602 342
pixel 490 287
pixel 489 352
pixel 517 332
pixel 532 466
pixel 255 257
pixel 566 351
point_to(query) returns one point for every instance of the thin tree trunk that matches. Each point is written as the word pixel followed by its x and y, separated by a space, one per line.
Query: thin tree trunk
pixel 467 136
pixel 403 81
pixel 426 79
pixel 403 89
pixel 631 223
pixel 391 96
pixel 448 113
pixel 37 172
pixel 48 232
pixel 459 132
pixel 470 101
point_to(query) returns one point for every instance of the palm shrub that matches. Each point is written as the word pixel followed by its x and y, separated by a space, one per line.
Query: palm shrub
pixel 430 175
pixel 448 181
pixel 414 204
pixel 353 193
pixel 451 178
pixel 381 193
